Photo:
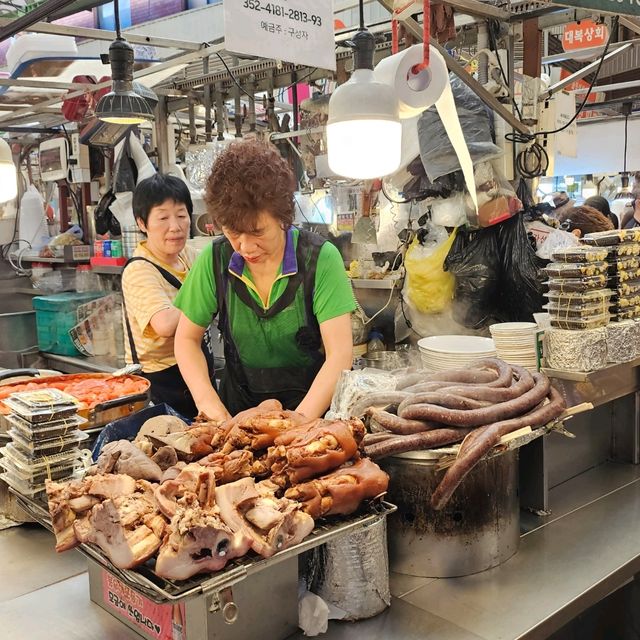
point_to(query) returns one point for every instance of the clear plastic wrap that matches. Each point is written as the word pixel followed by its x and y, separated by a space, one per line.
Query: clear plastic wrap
pixel 354 386
pixel 436 151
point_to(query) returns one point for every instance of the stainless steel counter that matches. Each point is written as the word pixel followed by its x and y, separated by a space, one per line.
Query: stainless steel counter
pixel 79 364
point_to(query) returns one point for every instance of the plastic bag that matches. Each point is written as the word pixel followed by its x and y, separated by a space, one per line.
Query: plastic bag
pixel 125 171
pixel 555 241
pixel 436 151
pixel 497 201
pixel 353 386
pixel 474 260
pixel 106 222
pixel 429 287
pixel 522 281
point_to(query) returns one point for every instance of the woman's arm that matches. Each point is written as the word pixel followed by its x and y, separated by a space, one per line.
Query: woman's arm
pixel 165 322
pixel 193 367
pixel 338 346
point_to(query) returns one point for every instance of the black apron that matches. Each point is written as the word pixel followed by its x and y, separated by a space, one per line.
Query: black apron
pixel 245 387
pixel 168 385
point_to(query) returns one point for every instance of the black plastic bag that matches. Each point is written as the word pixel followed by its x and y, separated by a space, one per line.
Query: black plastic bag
pixel 436 151
pixel 522 281
pixel 125 171
pixel 106 222
pixel 475 262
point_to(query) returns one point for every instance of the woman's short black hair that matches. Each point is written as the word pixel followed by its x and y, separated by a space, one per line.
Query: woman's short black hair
pixel 157 189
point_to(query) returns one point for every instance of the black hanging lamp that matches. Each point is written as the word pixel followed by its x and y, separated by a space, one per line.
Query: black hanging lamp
pixel 122 105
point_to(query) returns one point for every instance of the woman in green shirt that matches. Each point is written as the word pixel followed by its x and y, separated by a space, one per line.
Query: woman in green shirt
pixel 282 296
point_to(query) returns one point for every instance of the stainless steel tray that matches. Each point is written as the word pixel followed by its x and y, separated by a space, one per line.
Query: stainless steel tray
pixel 162 591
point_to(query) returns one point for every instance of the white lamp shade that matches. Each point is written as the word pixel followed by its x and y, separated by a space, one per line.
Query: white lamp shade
pixel 8 174
pixel 364 149
pixel 364 134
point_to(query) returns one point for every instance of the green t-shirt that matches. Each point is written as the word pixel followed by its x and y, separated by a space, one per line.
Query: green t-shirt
pixel 268 342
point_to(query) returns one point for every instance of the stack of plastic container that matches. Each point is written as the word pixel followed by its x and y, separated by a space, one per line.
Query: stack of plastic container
pixel 578 294
pixel 623 248
pixel 45 441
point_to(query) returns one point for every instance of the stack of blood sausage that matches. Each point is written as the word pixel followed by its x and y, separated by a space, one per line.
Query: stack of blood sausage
pixel 475 406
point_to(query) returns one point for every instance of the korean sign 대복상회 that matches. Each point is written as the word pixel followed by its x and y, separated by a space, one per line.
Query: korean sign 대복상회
pixel 584 34
pixel 297 31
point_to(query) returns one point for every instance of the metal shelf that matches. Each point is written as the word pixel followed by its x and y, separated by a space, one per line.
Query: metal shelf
pixel 111 270
pixel 52 260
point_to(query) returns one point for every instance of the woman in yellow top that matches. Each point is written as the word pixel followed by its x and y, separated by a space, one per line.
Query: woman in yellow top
pixel 162 208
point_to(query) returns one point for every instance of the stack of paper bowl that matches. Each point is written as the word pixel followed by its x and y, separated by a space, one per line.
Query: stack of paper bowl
pixel 516 343
pixel 454 352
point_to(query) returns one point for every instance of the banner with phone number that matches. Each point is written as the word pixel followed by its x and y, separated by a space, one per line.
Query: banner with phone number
pixel 297 31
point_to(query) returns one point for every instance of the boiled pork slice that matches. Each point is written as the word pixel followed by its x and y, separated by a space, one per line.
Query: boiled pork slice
pixel 122 456
pixel 229 467
pixel 59 496
pixel 271 523
pixel 165 457
pixel 197 541
pixel 194 478
pixel 127 528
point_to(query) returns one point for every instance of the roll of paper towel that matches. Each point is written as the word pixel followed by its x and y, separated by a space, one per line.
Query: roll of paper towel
pixel 416 92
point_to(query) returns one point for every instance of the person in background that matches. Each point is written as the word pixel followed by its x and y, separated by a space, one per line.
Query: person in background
pixel 602 205
pixel 162 208
pixel 562 203
pixel 583 220
pixel 631 216
pixel 281 295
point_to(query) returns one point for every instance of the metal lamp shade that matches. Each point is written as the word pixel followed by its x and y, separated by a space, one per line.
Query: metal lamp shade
pixel 124 108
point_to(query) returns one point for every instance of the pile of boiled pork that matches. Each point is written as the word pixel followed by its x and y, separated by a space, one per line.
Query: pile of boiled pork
pixel 197 497
pixel 475 406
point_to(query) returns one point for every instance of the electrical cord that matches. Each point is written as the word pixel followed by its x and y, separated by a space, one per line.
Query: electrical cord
pixel 533 161
pixel 235 80
pixel 494 47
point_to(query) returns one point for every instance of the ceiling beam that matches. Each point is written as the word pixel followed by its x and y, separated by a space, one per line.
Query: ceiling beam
pixel 180 59
pixel 100 34
pixel 39 84
pixel 581 73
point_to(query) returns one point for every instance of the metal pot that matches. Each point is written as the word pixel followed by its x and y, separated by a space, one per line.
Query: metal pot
pixel 478 529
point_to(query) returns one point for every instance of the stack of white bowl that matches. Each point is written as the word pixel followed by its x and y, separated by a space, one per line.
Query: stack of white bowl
pixel 516 343
pixel 454 352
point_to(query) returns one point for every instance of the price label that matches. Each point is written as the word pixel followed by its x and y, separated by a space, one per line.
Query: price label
pixel 297 31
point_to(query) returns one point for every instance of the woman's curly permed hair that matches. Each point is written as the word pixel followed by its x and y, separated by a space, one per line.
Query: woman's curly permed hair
pixel 249 178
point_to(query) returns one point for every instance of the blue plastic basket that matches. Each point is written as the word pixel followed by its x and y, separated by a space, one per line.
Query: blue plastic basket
pixel 127 428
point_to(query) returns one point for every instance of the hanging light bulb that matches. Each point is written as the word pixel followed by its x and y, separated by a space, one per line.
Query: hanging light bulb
pixel 8 173
pixel 589 188
pixel 122 105
pixel 364 134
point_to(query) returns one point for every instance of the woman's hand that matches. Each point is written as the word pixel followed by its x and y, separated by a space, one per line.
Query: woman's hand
pixel 214 410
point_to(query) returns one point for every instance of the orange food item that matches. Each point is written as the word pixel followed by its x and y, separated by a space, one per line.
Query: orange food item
pixel 88 389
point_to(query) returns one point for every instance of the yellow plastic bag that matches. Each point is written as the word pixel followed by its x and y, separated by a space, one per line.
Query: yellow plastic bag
pixel 429 287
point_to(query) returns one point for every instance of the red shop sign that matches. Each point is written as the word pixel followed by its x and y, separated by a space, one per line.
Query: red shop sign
pixel 584 35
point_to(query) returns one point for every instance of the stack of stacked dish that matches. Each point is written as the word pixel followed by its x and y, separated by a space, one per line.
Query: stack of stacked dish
pixel 516 343
pixel 454 352
pixel 45 441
